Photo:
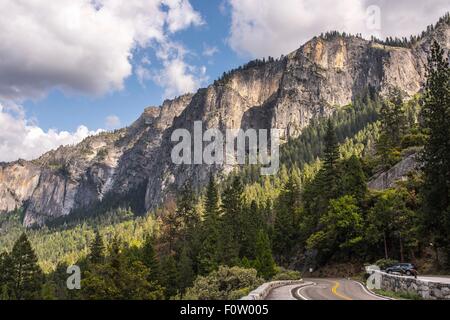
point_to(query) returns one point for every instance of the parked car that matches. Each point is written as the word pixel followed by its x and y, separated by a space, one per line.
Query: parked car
pixel 403 268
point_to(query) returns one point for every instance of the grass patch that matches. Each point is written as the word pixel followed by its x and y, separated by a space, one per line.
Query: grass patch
pixel 398 295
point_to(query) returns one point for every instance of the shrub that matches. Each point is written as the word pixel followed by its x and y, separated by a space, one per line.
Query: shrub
pixel 385 263
pixel 224 284
pixel 287 275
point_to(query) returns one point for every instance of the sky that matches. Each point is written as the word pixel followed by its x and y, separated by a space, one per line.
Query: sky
pixel 73 68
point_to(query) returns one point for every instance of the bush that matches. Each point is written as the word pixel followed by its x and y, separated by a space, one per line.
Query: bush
pixel 413 140
pixel 287 275
pixel 224 284
pixel 385 263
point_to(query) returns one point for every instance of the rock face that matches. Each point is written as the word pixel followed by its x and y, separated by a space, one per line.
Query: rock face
pixel 397 173
pixel 426 289
pixel 286 94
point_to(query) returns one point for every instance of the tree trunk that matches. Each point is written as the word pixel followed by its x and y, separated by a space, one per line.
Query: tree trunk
pixel 402 258
pixel 385 246
pixel 436 249
pixel 413 256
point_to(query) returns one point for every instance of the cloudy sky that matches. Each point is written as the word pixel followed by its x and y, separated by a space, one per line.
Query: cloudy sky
pixel 70 68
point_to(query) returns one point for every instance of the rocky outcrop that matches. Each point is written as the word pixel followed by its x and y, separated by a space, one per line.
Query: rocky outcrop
pixel 426 289
pixel 286 94
pixel 397 173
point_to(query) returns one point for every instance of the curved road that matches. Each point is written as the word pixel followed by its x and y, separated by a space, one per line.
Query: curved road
pixel 324 289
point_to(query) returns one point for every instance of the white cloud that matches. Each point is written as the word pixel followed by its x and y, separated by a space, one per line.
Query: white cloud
pixel 209 51
pixel 272 27
pixel 112 122
pixel 178 78
pixel 181 15
pixel 22 139
pixel 80 45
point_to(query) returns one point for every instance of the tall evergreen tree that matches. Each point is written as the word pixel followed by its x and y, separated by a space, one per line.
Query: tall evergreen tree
pixel 150 260
pixel 26 274
pixel 185 270
pixel 208 257
pixel 393 124
pixel 170 276
pixel 353 180
pixel 436 154
pixel 330 162
pixel 97 249
pixel 264 263
pixel 286 219
pixel 186 210
pixel 231 232
pixel 6 279
pixel 251 222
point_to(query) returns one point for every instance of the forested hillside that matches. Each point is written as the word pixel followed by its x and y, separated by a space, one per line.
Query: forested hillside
pixel 316 212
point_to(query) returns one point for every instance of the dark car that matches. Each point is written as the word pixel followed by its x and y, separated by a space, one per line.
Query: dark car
pixel 403 268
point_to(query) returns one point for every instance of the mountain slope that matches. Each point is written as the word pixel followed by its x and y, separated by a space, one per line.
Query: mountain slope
pixel 324 74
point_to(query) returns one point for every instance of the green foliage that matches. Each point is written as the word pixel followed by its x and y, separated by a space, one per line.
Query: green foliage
pixel 399 295
pixel 224 284
pixel 386 263
pixel 170 276
pixel 119 277
pixel 287 275
pixel 150 260
pixel 392 218
pixel 22 278
pixel 285 227
pixel 208 258
pixel 393 119
pixel 221 243
pixel 97 249
pixel 264 262
pixel 70 242
pixel 230 227
pixel 436 155
pixel 340 229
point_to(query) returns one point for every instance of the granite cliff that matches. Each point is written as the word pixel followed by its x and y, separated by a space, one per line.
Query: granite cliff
pixel 325 73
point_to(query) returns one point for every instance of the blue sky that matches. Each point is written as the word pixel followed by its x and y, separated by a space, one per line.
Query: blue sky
pixel 66 112
pixel 70 68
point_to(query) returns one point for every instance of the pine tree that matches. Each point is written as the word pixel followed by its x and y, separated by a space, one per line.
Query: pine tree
pixel 393 123
pixel 264 264
pixel 208 258
pixel 26 274
pixel 330 162
pixel 149 259
pixel 185 269
pixel 436 155
pixel 286 220
pixel 170 276
pixel 251 222
pixel 6 280
pixel 353 180
pixel 97 249
pixel 186 210
pixel 119 278
pixel 231 233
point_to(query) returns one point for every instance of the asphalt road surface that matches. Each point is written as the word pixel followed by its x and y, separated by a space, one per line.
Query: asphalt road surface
pixel 324 289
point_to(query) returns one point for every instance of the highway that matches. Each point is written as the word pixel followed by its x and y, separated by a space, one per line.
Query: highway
pixel 323 289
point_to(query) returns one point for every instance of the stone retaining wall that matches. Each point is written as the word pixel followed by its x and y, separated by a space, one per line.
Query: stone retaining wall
pixel 263 291
pixel 426 289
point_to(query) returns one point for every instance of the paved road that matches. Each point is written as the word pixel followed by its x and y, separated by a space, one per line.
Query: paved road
pixel 282 293
pixel 324 289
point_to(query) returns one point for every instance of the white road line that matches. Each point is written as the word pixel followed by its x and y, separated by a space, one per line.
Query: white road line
pixel 304 287
pixel 370 293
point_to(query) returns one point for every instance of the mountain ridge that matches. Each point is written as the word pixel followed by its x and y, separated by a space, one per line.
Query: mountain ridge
pixel 287 94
